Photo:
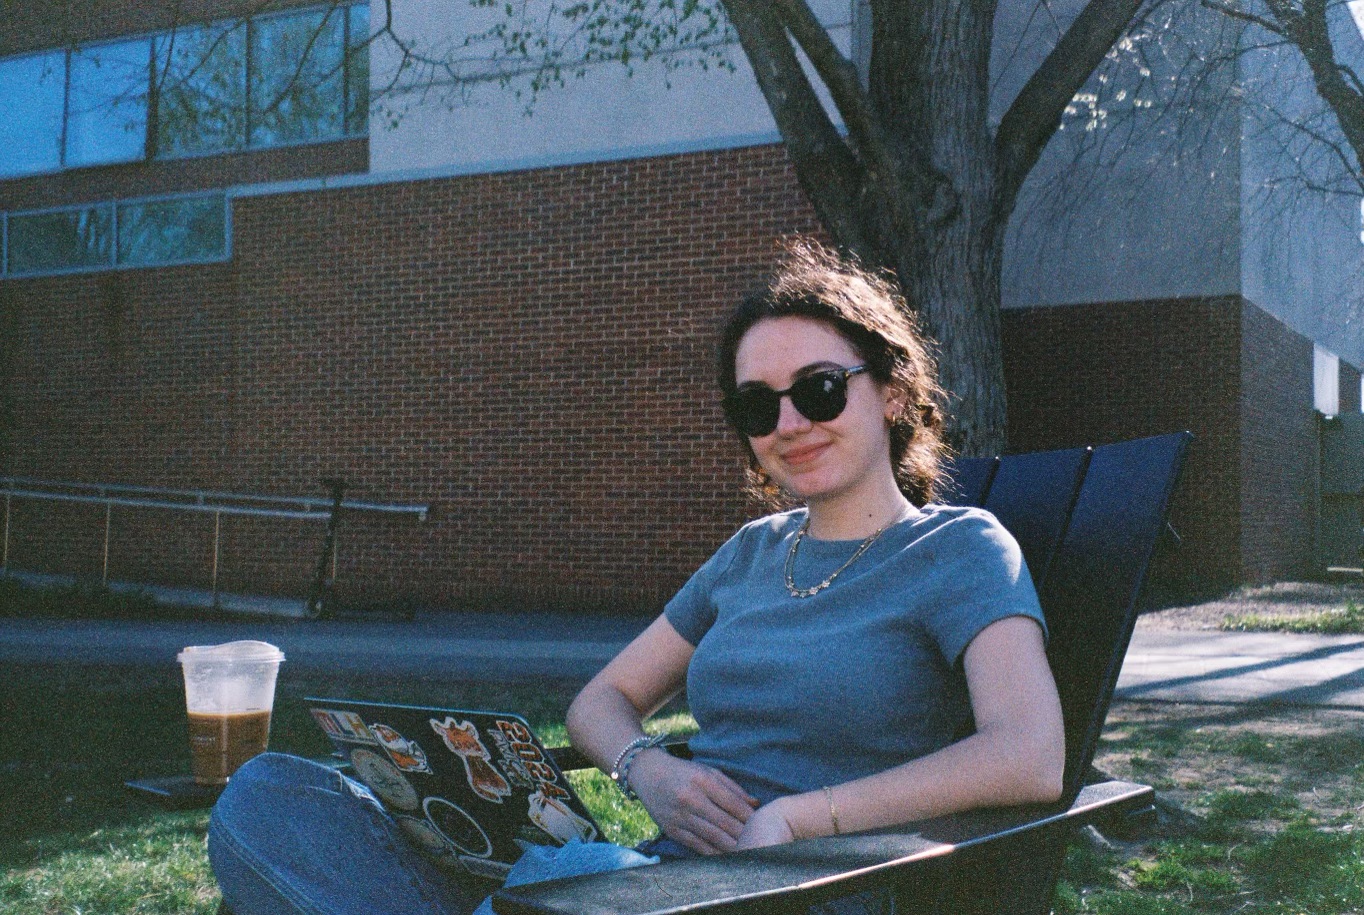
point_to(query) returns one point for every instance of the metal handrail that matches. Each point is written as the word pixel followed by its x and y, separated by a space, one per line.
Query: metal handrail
pixel 203 500
pixel 41 489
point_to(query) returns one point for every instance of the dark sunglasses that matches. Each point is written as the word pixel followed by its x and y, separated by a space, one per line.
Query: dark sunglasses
pixel 819 396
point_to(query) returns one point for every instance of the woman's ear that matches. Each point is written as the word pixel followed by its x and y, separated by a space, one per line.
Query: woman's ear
pixel 895 404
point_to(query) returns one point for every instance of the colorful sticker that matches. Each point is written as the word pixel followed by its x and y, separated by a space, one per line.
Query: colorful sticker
pixel 555 818
pixel 343 725
pixel 385 779
pixel 461 737
pixel 457 827
pixel 521 745
pixel 406 754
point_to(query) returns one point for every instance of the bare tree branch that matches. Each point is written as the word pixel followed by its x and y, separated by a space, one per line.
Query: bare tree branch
pixel 806 129
pixel 1235 12
pixel 838 74
pixel 1035 113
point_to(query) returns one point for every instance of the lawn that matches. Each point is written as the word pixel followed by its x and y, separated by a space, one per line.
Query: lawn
pixel 1273 797
pixel 76 842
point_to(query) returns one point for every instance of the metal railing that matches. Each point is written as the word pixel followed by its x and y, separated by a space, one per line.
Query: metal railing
pixel 307 508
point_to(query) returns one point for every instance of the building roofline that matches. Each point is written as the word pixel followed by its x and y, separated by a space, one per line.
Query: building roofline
pixel 501 166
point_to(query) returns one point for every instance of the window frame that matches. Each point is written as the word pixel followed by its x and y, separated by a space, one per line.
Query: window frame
pixel 351 128
pixel 114 262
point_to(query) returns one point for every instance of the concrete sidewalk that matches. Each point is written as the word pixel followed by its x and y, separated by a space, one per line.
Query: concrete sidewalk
pixel 1287 669
pixel 1161 665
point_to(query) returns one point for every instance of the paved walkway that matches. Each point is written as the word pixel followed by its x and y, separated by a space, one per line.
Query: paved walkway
pixel 1161 665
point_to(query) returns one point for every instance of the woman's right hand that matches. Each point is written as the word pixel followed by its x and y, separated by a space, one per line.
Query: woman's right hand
pixel 694 804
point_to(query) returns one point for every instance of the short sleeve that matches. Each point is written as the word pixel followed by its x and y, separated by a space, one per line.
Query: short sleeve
pixel 691 610
pixel 982 579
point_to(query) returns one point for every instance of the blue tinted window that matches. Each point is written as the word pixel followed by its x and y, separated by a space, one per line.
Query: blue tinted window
pixel 63 240
pixel 32 96
pixel 106 118
pixel 357 71
pixel 201 90
pixel 297 77
pixel 182 229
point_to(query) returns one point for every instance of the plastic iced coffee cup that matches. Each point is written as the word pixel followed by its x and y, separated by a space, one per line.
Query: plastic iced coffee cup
pixel 229 694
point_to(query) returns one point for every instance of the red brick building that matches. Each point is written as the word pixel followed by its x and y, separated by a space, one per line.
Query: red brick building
pixel 524 348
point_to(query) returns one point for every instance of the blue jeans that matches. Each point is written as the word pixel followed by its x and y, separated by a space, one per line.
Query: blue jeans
pixel 292 837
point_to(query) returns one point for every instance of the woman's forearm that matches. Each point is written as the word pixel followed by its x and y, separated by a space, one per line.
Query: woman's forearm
pixel 602 722
pixel 983 770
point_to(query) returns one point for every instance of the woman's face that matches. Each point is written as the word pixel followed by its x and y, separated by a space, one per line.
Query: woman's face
pixel 814 461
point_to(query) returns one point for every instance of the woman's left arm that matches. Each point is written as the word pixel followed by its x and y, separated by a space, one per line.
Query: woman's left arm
pixel 1015 756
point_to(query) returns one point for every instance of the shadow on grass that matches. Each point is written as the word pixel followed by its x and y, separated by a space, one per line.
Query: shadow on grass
pixel 70 735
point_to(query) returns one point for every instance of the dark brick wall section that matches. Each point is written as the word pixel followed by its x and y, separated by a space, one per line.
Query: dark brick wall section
pixel 1349 388
pixel 1090 374
pixel 1279 445
pixel 173 176
pixel 39 25
pixel 531 353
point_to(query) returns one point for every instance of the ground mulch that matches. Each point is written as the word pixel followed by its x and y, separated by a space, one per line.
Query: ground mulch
pixel 1288 599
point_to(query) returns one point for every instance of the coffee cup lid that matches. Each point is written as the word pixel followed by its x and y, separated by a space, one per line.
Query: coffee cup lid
pixel 243 650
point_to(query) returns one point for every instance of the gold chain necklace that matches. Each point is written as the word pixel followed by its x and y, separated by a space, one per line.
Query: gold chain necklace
pixel 791 562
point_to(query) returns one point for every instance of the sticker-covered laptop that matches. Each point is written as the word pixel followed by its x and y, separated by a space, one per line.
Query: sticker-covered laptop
pixel 464 786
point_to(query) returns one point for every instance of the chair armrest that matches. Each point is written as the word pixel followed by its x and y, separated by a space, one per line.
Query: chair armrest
pixel 811 868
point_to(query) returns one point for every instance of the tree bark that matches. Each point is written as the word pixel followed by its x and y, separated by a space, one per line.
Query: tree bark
pixel 916 182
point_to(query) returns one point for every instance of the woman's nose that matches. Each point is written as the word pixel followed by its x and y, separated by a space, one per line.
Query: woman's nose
pixel 789 419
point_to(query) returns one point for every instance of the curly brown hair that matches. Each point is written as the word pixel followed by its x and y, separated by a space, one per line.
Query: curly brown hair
pixel 869 312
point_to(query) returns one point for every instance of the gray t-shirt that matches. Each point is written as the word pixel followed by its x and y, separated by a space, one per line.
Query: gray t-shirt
pixel 792 694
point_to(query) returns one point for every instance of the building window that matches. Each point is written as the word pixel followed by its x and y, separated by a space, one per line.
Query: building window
pixel 32 97
pixel 200 90
pixel 136 233
pixel 180 230
pixel 106 113
pixel 297 77
pixel 272 80
pixel 1326 381
pixel 55 242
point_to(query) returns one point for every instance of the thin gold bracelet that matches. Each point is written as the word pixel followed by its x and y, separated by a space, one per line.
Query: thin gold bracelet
pixel 833 810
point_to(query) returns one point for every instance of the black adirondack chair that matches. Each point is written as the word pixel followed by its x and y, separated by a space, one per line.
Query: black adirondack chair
pixel 1033 495
pixel 998 860
pixel 968 480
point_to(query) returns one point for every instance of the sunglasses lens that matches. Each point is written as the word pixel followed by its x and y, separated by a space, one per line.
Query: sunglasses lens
pixel 754 411
pixel 820 397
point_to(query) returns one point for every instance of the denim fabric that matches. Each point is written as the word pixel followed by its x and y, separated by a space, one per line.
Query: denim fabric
pixel 291 837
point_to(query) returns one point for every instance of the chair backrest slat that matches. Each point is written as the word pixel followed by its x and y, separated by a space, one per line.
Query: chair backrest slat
pixel 1032 495
pixel 968 480
pixel 1091 592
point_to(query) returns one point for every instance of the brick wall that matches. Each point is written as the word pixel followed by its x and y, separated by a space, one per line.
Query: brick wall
pixel 1279 456
pixel 1349 388
pixel 1091 374
pixel 1222 368
pixel 530 353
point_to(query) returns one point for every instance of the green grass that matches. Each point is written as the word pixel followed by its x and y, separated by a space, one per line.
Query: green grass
pixel 1289 847
pixel 1277 802
pixel 75 842
pixel 1347 620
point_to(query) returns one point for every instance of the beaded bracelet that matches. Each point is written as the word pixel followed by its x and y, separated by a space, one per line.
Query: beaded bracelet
pixel 634 744
pixel 621 774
